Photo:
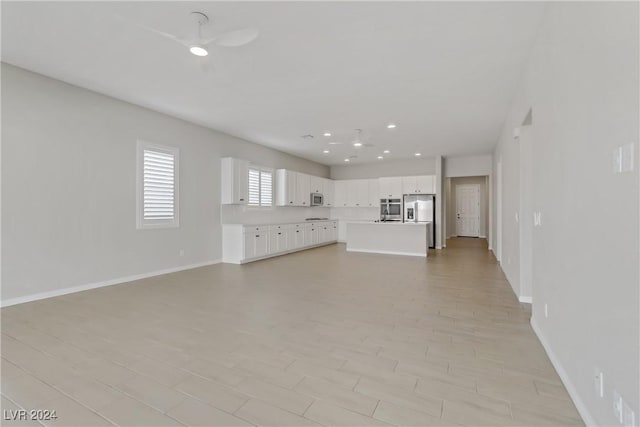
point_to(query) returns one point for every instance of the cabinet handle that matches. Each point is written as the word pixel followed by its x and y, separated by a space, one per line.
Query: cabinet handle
pixel 242 200
pixel 257 235
pixel 290 202
pixel 279 233
pixel 297 231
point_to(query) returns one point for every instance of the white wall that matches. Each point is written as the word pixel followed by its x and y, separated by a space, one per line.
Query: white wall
pixel 69 185
pixel 468 166
pixel 582 86
pixel 421 166
pixel 451 205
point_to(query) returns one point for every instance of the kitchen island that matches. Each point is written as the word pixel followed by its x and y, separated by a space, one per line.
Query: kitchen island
pixel 394 238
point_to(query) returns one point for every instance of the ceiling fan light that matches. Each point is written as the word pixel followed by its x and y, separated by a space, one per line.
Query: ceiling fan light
pixel 198 50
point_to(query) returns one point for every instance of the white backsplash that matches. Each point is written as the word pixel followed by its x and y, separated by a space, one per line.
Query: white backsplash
pixel 238 214
pixel 357 214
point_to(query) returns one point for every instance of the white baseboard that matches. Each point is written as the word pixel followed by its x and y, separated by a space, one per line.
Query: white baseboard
pixel 386 252
pixel 80 288
pixel 583 410
pixel 482 237
pixel 527 300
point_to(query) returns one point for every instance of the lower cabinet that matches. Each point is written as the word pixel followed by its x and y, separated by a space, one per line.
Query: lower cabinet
pixel 256 244
pixel 245 243
pixel 278 241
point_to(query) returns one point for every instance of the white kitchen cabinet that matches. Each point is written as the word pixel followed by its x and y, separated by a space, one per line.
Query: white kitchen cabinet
pixel 298 237
pixel 390 187
pixel 327 192
pixel 426 184
pixel 409 185
pixel 234 181
pixel 285 187
pixel 374 193
pixel 278 240
pixel 311 234
pixel 422 184
pixel 340 193
pixel 246 243
pixel 303 189
pixel 256 244
pixel 324 234
pixel 334 231
pixel 315 184
pixel 357 193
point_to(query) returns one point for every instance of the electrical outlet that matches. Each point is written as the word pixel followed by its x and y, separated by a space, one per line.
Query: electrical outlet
pixel 546 310
pixel 617 406
pixel 517 217
pixel 628 416
pixel 181 252
pixel 598 382
pixel 508 260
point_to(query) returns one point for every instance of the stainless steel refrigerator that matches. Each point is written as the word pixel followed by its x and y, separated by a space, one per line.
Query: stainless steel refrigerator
pixel 421 208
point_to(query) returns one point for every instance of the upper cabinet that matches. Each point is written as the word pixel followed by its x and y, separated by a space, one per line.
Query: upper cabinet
pixel 390 187
pixel 235 185
pixel 286 187
pixel 374 193
pixel 295 188
pixel 340 194
pixel 315 184
pixel 327 192
pixel 423 184
pixel 426 184
pixel 303 189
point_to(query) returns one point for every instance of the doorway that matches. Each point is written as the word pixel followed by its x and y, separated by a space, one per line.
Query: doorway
pixel 468 210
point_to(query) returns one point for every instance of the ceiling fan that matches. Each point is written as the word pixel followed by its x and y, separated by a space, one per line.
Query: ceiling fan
pixel 198 45
pixel 361 140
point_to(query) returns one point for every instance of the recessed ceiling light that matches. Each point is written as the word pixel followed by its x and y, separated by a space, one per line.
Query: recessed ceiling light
pixel 391 126
pixel 347 160
pixel 198 50
pixel 327 134
pixel 357 144
pixel 335 143
pixel 418 154
pixel 380 157
pixel 386 151
pixel 326 151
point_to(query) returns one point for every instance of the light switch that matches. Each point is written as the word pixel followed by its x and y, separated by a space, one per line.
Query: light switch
pixel 617 160
pixel 627 157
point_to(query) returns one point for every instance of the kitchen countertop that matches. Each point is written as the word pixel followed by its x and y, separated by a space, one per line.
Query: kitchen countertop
pixel 410 224
pixel 257 224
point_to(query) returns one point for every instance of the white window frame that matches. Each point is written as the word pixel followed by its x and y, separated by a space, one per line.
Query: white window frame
pixel 141 222
pixel 273 182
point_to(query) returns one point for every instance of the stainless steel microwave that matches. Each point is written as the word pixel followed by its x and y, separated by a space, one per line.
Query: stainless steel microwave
pixel 317 199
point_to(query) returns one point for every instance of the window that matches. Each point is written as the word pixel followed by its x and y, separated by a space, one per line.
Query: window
pixel 157 186
pixel 260 186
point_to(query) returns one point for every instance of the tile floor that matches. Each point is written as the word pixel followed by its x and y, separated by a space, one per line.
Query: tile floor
pixel 320 337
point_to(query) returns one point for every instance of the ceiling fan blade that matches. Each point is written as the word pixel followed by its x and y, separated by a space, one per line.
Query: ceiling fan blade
pixel 235 38
pixel 155 31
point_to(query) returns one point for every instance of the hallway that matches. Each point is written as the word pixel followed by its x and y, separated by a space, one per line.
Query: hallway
pixel 317 337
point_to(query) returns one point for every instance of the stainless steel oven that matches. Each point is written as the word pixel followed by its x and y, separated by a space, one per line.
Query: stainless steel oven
pixel 317 199
pixel 390 210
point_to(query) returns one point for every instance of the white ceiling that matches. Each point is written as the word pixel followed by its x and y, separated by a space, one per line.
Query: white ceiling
pixel 444 72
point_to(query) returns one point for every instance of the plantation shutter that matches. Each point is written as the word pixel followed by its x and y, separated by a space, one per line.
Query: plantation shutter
pixel 158 185
pixel 254 187
pixel 266 188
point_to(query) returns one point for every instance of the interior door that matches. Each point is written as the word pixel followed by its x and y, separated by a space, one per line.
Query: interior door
pixel 468 210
